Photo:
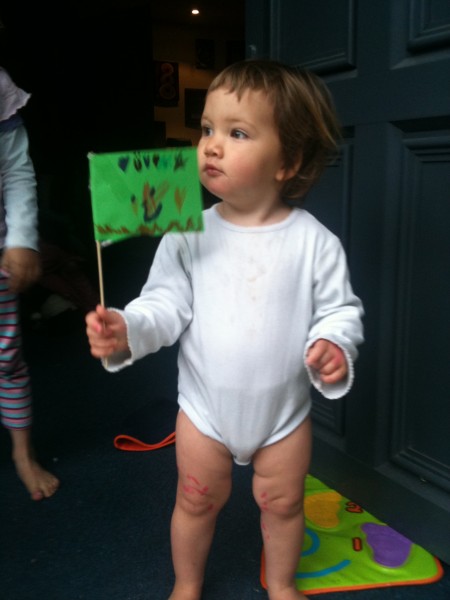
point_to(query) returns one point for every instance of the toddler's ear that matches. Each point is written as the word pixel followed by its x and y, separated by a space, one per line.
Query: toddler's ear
pixel 284 174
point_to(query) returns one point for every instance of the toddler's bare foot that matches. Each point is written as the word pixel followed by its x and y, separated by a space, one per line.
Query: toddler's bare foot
pixel 181 592
pixel 39 482
pixel 288 594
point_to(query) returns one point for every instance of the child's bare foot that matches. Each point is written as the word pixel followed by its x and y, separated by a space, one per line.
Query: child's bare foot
pixel 181 596
pixel 180 592
pixel 39 482
pixel 287 594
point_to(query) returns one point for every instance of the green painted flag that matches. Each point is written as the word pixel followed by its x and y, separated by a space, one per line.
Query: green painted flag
pixel 145 192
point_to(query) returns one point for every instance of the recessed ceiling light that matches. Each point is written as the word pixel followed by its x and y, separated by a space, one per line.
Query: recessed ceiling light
pixel 195 11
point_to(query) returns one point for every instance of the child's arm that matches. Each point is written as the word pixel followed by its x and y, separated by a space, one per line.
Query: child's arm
pixel 20 258
pixel 336 324
pixel 328 360
pixel 107 332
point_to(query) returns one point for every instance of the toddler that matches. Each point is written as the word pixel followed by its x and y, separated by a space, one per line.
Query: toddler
pixel 262 306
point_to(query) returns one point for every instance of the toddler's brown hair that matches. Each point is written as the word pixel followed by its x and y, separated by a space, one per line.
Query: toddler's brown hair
pixel 304 114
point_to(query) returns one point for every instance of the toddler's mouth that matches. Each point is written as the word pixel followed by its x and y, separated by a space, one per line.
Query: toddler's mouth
pixel 210 169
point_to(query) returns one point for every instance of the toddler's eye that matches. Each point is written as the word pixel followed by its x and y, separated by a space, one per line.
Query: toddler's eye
pixel 206 131
pixel 239 134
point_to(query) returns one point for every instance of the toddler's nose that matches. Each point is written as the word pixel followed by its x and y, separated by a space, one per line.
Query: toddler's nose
pixel 212 147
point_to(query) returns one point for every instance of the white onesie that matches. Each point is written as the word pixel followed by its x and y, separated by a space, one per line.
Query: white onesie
pixel 246 303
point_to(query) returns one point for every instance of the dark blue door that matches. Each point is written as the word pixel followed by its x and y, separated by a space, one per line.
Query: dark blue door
pixel 387 63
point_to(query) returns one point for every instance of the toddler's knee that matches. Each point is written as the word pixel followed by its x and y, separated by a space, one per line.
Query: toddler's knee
pixel 281 506
pixel 197 505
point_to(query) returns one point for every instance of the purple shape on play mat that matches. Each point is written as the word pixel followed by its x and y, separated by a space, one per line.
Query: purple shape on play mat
pixel 390 548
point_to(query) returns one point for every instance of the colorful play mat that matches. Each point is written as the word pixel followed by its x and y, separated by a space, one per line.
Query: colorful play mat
pixel 346 548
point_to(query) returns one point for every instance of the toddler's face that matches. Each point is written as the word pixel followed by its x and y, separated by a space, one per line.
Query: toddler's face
pixel 239 153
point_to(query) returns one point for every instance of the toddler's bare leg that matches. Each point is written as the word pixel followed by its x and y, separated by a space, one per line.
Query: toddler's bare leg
pixel 39 482
pixel 204 485
pixel 278 487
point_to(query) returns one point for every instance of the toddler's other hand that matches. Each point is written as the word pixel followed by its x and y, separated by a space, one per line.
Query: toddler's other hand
pixel 106 331
pixel 328 360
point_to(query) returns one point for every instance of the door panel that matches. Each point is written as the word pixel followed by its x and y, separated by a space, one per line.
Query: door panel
pixel 420 379
pixel 387 64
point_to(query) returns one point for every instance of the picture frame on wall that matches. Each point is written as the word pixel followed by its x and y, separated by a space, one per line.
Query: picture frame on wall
pixel 167 92
pixel 194 100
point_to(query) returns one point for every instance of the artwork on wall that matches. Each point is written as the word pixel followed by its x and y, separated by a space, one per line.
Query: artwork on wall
pixel 204 54
pixel 166 83
pixel 194 100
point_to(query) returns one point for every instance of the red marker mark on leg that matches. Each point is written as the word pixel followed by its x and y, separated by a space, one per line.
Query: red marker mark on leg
pixel 191 489
pixel 265 531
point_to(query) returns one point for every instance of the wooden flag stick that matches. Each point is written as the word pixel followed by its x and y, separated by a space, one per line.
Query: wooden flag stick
pixel 100 283
pixel 100 273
